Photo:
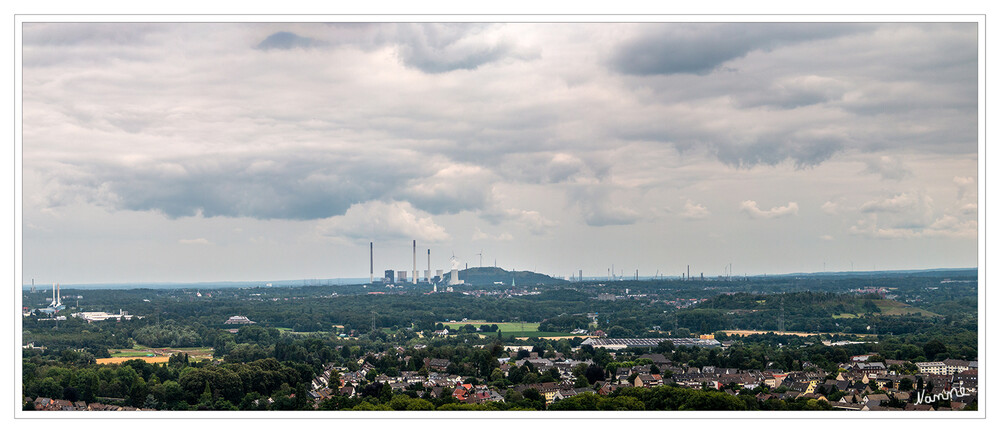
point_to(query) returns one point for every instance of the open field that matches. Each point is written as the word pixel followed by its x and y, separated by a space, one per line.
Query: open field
pixel 119 360
pixel 505 327
pixel 845 316
pixel 311 333
pixel 744 333
pixel 131 354
pixel 143 352
pixel 892 307
pixel 515 329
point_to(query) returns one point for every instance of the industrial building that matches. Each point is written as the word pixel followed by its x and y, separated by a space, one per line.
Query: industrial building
pixel 98 316
pixel 454 281
pixel 239 320
pixel 628 343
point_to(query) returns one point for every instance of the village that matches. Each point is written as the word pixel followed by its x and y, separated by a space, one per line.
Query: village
pixel 860 385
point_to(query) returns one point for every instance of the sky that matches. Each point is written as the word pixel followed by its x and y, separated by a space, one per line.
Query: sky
pixel 188 152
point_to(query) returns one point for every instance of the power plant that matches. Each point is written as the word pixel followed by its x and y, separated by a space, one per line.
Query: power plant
pixel 394 276
pixel 56 292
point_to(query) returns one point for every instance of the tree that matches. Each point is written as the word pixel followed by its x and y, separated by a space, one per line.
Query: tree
pixel 151 402
pixel 206 396
pixel 933 348
pixel 513 396
pixel 905 384
pixel 665 346
pixel 594 373
pixel 71 394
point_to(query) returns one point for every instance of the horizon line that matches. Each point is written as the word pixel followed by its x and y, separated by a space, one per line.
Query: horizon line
pixel 601 278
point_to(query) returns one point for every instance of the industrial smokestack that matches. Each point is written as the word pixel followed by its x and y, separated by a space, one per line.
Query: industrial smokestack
pixel 414 261
pixel 689 272
pixel 428 265
pixel 371 261
pixel 53 294
pixel 58 294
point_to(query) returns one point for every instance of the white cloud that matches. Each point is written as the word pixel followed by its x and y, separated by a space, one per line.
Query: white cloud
pixel 451 189
pixel 694 211
pixel 830 208
pixel 381 221
pixel 750 208
pixel 898 203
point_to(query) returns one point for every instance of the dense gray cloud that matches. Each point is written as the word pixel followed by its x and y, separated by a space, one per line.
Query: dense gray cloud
pixel 440 48
pixel 286 41
pixel 431 48
pixel 437 141
pixel 701 48
pixel 504 132
pixel 286 188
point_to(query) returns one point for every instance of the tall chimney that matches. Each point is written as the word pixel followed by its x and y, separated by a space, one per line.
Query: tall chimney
pixel 689 272
pixel 414 261
pixel 428 265
pixel 58 294
pixel 371 261
pixel 53 294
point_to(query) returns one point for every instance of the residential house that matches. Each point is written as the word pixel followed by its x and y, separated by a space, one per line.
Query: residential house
pixel 648 380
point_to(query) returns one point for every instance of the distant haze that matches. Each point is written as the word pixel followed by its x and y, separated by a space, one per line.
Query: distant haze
pixel 253 152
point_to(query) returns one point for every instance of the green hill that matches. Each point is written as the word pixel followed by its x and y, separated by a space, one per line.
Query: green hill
pixel 493 276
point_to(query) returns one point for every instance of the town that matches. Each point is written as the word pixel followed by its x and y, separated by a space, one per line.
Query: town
pixel 761 344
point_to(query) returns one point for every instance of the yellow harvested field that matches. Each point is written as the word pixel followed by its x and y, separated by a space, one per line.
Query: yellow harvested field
pixel 148 359
pixel 744 333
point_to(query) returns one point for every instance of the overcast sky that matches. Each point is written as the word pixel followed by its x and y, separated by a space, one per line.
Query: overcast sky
pixel 206 152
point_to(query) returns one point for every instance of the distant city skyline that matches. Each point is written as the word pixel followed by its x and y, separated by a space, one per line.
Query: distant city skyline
pixel 199 152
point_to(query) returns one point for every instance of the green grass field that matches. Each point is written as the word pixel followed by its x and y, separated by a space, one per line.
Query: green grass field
pixel 891 307
pixel 845 316
pixel 526 329
pixel 505 327
pixel 140 350
pixel 129 353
